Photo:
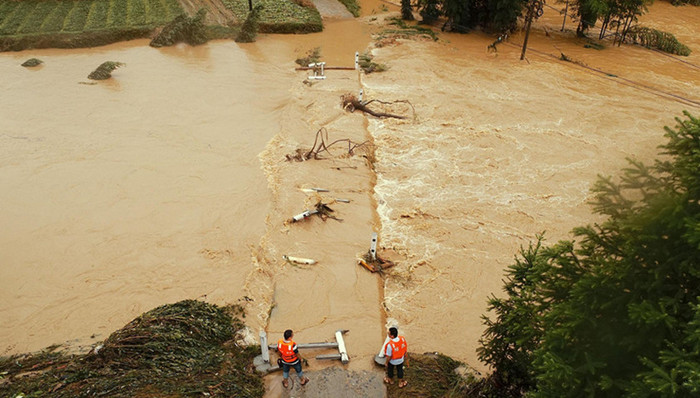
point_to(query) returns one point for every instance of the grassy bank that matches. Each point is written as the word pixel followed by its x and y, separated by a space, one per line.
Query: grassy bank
pixel 184 349
pixel 86 23
pixel 79 23
pixel 437 376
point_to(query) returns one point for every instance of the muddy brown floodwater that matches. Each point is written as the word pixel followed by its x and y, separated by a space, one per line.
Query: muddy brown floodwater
pixel 169 181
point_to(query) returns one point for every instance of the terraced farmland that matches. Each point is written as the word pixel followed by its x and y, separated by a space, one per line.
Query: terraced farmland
pixel 30 17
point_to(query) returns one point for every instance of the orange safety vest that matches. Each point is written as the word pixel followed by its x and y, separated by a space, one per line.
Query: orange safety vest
pixel 286 350
pixel 398 348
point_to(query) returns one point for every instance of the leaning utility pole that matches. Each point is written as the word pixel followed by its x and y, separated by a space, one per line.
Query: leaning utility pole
pixel 534 8
pixel 528 23
pixel 566 9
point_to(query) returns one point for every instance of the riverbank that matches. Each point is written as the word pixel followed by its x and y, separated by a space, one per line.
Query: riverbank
pixel 91 23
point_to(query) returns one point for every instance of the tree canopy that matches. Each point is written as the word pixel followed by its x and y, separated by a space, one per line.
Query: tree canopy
pixel 616 312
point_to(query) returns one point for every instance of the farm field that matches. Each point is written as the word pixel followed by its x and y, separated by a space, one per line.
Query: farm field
pixel 280 16
pixel 30 17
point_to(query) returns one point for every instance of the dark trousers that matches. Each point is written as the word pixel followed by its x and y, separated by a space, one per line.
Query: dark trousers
pixel 390 370
pixel 296 366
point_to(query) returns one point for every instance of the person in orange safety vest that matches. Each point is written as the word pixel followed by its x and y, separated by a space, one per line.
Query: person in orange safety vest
pixel 395 352
pixel 289 355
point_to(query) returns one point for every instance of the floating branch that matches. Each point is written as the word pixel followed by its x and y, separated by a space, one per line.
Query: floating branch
pixel 350 103
pixel 321 145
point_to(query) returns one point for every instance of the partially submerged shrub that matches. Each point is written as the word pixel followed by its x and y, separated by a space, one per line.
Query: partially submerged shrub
pixel 408 31
pixel 104 71
pixel 190 30
pixel 312 56
pixel 249 30
pixel 657 39
pixel 32 62
pixel 370 66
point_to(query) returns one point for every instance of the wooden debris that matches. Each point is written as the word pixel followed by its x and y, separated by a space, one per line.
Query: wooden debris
pixel 377 265
pixel 351 103
pixel 321 145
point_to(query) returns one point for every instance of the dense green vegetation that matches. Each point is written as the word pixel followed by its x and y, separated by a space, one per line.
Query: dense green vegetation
pixel 183 29
pixel 617 312
pixel 280 16
pixel 249 30
pixel 185 349
pixel 80 23
pixel 653 38
pixel 69 16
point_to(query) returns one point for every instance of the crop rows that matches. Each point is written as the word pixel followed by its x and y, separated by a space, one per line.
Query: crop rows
pixel 54 16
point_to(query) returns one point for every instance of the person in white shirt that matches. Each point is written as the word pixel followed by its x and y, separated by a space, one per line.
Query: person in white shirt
pixel 395 352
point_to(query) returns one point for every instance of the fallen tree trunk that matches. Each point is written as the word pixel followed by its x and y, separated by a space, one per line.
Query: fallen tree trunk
pixel 351 103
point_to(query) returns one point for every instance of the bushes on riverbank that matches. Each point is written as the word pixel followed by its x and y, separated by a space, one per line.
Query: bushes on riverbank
pixel 182 349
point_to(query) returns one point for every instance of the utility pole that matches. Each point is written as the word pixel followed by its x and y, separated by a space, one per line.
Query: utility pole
pixel 566 9
pixel 528 23
pixel 534 9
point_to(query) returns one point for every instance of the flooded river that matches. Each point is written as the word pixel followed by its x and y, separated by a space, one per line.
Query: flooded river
pixel 169 181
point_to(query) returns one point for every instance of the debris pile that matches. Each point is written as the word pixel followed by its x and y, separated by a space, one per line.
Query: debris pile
pixel 183 349
pixel 320 209
pixel 350 102
pixel 321 145
pixel 376 264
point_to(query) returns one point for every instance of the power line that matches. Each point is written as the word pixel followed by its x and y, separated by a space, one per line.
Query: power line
pixel 625 81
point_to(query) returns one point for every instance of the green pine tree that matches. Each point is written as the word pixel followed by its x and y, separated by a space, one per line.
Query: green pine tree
pixel 617 313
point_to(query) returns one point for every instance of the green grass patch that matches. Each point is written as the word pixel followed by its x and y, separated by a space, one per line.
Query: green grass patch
pixel 53 16
pixel 136 13
pixel 75 20
pixel 97 17
pixel 279 16
pixel 36 17
pixel 16 16
pixel 117 13
pixel 54 21
pixel 184 349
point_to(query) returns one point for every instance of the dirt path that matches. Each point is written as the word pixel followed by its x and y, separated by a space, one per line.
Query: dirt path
pixel 217 13
pixel 330 382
